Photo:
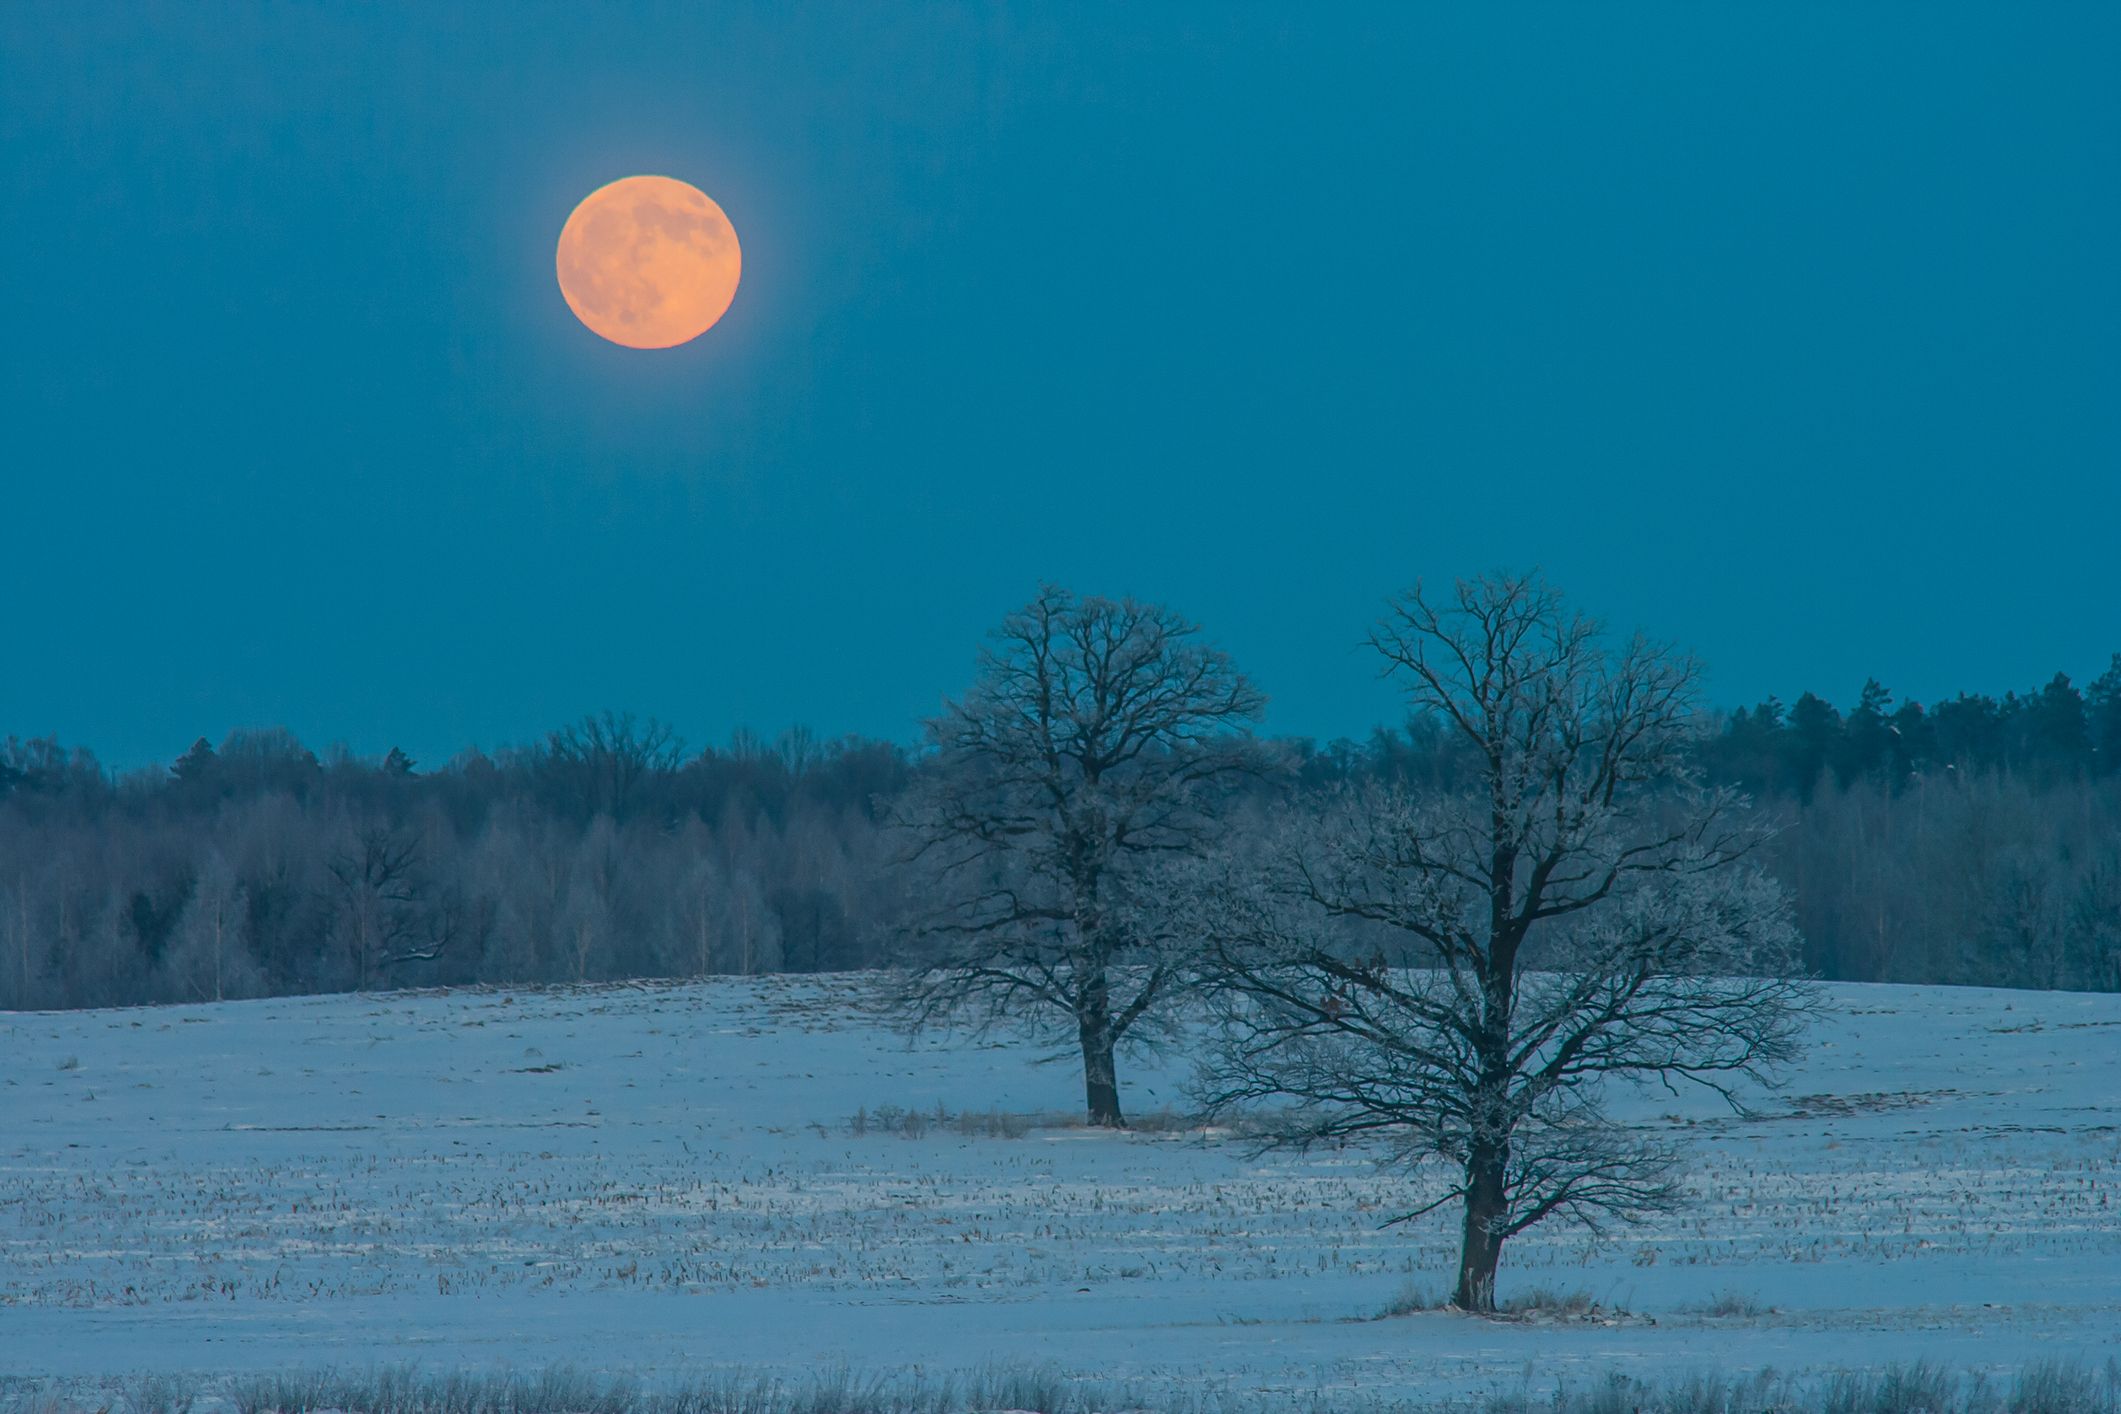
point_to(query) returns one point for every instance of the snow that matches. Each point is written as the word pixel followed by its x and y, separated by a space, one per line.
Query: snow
pixel 664 1179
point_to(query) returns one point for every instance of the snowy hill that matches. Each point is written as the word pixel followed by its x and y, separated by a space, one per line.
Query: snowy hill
pixel 674 1177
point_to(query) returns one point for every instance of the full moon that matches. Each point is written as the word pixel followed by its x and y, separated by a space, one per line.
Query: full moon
pixel 648 262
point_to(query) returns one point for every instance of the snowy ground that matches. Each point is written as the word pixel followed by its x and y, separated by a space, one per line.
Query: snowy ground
pixel 665 1179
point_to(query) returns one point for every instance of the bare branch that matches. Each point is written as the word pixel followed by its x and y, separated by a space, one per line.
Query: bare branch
pixel 1100 739
pixel 1577 911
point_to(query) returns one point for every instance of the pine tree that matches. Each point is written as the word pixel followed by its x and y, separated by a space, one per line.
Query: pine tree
pixel 196 766
pixel 1866 739
pixel 2059 741
pixel 1814 742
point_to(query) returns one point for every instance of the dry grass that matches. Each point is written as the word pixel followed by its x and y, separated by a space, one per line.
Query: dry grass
pixel 907 1122
pixel 1411 1300
pixel 2050 1388
pixel 919 1124
pixel 1726 1305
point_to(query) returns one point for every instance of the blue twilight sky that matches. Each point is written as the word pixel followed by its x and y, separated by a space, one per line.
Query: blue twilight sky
pixel 1790 332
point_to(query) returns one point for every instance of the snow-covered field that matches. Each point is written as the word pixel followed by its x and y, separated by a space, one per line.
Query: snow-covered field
pixel 667 1179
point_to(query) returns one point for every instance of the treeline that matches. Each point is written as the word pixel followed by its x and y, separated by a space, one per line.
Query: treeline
pixel 605 851
pixel 2056 734
pixel 1977 841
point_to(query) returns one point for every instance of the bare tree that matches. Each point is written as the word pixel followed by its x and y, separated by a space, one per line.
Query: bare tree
pixel 23 924
pixel 210 958
pixel 695 887
pixel 1574 911
pixel 388 913
pixel 590 916
pixel 604 765
pixel 1101 734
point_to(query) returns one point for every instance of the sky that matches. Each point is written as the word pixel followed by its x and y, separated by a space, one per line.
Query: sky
pixel 1792 334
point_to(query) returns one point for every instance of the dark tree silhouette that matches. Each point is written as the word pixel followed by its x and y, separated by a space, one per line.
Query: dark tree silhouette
pixel 603 765
pixel 1576 911
pixel 1101 736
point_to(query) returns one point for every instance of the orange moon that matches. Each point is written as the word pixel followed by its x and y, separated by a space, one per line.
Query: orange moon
pixel 648 262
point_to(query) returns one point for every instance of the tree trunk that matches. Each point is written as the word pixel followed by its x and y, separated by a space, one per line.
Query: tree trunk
pixel 1093 1023
pixel 1100 1078
pixel 1481 1249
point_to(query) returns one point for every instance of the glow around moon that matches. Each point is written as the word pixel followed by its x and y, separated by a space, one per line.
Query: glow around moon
pixel 648 262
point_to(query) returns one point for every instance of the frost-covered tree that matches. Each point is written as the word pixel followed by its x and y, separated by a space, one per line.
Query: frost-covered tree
pixel 1565 910
pixel 696 886
pixel 210 959
pixel 1101 736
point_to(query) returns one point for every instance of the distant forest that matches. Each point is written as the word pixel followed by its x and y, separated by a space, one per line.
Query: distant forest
pixel 1977 841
